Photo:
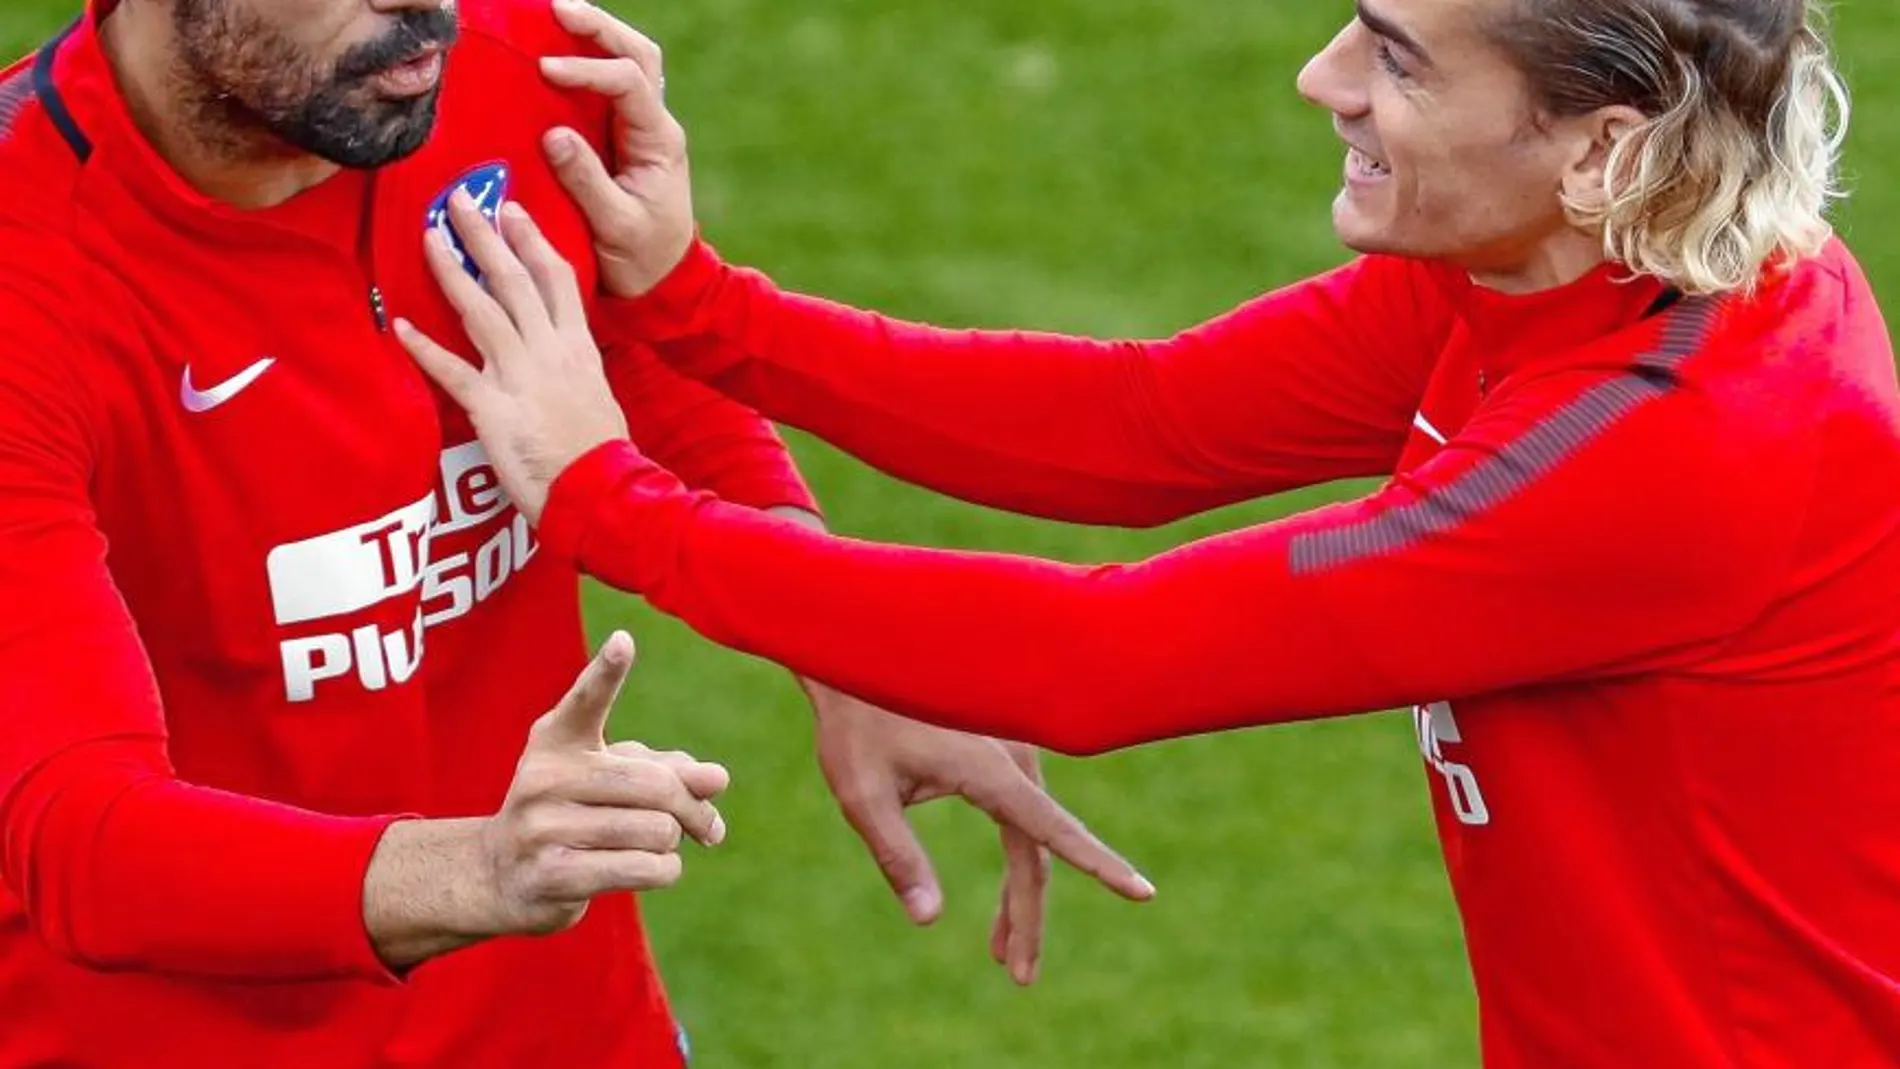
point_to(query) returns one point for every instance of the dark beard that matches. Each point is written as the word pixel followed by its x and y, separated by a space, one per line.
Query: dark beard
pixel 244 79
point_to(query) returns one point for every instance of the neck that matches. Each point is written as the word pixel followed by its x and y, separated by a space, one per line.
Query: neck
pixel 244 169
pixel 1558 260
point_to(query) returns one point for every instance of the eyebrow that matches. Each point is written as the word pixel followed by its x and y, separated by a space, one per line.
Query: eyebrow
pixel 1391 31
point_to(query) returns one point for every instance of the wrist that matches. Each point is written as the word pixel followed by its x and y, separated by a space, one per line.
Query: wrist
pixel 819 695
pixel 669 308
pixel 648 269
pixel 479 907
pixel 429 890
pixel 567 513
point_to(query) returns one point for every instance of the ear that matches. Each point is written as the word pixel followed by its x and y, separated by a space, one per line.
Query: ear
pixel 1591 138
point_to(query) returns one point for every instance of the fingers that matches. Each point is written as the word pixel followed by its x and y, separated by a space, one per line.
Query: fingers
pixel 458 378
pixel 704 779
pixel 509 283
pixel 876 812
pixel 610 77
pixel 579 721
pixel 579 875
pixel 636 95
pixel 614 36
pixel 553 277
pixel 1025 900
pixel 486 324
pixel 999 929
pixel 599 828
pixel 1017 802
pixel 585 177
pixel 640 783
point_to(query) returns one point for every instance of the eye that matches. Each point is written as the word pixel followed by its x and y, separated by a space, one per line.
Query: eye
pixel 1388 60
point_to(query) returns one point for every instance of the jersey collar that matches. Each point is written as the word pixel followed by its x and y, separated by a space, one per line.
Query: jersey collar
pixel 1557 325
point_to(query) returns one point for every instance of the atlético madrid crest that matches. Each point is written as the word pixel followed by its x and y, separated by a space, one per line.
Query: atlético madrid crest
pixel 488 186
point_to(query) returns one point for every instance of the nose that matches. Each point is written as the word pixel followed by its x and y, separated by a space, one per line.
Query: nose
pixel 1335 78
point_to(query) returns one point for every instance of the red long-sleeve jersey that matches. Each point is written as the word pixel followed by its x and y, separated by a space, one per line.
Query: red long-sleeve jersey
pixel 233 514
pixel 1634 567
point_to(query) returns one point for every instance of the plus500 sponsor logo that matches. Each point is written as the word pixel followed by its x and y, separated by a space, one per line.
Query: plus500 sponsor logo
pixel 350 572
pixel 470 494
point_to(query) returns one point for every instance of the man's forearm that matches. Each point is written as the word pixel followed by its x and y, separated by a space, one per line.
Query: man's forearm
pixel 424 894
pixel 228 887
pixel 706 438
pixel 815 691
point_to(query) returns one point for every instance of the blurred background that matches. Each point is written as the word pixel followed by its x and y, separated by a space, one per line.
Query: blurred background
pixel 1120 167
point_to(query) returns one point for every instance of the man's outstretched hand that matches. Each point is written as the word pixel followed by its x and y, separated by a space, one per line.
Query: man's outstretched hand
pixel 879 764
pixel 583 818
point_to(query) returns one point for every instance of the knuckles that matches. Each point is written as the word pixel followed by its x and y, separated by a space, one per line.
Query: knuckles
pixel 635 781
pixel 658 833
pixel 537 777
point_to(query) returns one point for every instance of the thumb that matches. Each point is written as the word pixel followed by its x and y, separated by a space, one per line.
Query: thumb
pixel 878 818
pixel 579 720
pixel 585 177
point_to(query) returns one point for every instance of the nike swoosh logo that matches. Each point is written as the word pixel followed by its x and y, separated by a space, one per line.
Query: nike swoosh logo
pixel 196 400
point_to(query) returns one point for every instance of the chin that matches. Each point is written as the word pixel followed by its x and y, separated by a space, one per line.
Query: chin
pixel 395 140
pixel 1355 231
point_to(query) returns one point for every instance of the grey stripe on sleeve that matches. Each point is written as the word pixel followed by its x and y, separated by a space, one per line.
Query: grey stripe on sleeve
pixel 1519 463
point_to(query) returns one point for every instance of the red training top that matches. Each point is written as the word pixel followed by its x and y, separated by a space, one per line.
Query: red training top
pixel 1635 567
pixel 231 511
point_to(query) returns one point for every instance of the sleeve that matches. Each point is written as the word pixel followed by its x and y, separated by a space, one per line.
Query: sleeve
pixel 1313 382
pixel 1612 530
pixel 91 814
pixel 709 440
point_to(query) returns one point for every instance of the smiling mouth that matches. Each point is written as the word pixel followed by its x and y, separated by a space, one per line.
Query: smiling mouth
pixel 1363 166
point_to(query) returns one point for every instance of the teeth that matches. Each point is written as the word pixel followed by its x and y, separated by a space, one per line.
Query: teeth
pixel 1368 164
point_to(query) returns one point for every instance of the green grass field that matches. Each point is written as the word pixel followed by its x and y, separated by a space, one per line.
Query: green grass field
pixel 1105 166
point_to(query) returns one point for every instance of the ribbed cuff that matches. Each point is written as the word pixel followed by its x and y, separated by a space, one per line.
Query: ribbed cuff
pixel 670 310
pixel 579 491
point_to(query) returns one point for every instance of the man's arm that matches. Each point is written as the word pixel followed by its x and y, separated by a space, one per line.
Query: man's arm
pixel 1317 381
pixel 90 811
pixel 1563 534
pixel 709 440
pixel 876 764
pixel 92 815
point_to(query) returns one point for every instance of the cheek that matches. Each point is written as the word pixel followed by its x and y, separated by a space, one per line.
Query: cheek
pixel 321 31
pixel 1492 181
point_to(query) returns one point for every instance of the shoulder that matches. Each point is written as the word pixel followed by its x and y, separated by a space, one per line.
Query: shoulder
pixel 45 397
pixel 39 168
pixel 525 29
pixel 1680 406
pixel 50 294
pixel 1812 333
pixel 499 54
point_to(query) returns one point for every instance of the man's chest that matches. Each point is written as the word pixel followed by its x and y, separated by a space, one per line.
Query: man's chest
pixel 1457 389
pixel 285 493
